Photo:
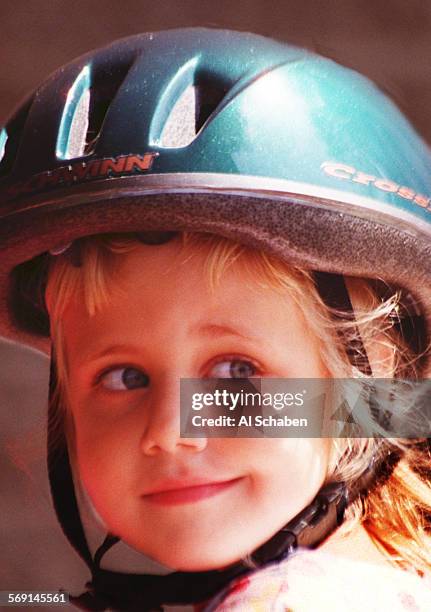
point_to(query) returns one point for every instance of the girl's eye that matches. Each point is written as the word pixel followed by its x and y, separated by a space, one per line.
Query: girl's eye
pixel 125 379
pixel 233 368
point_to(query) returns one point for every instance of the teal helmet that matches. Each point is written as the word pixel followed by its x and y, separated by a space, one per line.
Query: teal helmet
pixel 221 132
pixel 218 131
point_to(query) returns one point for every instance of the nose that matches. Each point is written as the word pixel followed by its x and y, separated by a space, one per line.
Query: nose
pixel 161 432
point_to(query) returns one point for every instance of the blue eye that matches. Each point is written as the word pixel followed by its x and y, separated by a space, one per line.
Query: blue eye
pixel 233 368
pixel 125 379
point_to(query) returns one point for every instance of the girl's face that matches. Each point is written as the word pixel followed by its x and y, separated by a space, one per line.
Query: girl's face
pixel 191 504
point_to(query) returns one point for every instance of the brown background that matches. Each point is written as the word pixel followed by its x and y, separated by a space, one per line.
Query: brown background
pixel 388 40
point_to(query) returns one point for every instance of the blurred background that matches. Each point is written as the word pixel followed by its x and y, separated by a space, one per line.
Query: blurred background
pixel 387 40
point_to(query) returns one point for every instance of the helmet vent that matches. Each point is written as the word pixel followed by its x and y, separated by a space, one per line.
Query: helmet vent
pixel 106 82
pixel 174 121
pixel 79 128
pixel 74 121
pixel 10 138
pixel 211 92
pixel 185 106
pixel 87 105
pixel 180 127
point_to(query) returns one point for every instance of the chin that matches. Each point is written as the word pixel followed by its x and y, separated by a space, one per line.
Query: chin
pixel 189 561
pixel 190 556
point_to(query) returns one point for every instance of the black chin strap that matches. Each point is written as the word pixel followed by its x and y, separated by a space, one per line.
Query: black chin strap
pixel 147 592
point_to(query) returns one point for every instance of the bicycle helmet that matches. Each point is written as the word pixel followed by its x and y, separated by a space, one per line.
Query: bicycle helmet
pixel 222 132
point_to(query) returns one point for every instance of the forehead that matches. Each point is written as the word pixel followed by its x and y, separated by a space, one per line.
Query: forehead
pixel 159 289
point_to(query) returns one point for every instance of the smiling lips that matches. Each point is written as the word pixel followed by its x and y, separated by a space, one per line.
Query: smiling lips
pixel 176 492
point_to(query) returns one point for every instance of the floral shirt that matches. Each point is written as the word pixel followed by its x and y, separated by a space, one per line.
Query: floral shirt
pixel 312 581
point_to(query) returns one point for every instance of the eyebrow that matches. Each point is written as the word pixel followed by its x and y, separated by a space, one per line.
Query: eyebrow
pixel 205 329
pixel 107 351
pixel 215 329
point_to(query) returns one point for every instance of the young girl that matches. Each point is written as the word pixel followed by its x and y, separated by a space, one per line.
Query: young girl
pixel 226 229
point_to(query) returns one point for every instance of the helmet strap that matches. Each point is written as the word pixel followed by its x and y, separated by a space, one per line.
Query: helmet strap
pixel 334 293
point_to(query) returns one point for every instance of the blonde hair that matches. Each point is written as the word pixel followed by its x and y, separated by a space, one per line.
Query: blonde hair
pixel 396 512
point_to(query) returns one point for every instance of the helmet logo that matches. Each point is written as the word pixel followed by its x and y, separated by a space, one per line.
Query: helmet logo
pixel 82 171
pixel 349 173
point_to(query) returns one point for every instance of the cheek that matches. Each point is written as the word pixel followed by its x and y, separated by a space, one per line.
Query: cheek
pixel 105 460
pixel 290 471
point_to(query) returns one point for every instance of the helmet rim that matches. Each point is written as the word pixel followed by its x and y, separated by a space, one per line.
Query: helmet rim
pixel 328 234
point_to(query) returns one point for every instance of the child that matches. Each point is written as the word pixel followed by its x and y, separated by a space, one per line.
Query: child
pixel 226 261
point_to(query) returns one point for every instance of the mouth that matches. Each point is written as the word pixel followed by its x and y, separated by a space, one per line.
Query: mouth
pixel 176 493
